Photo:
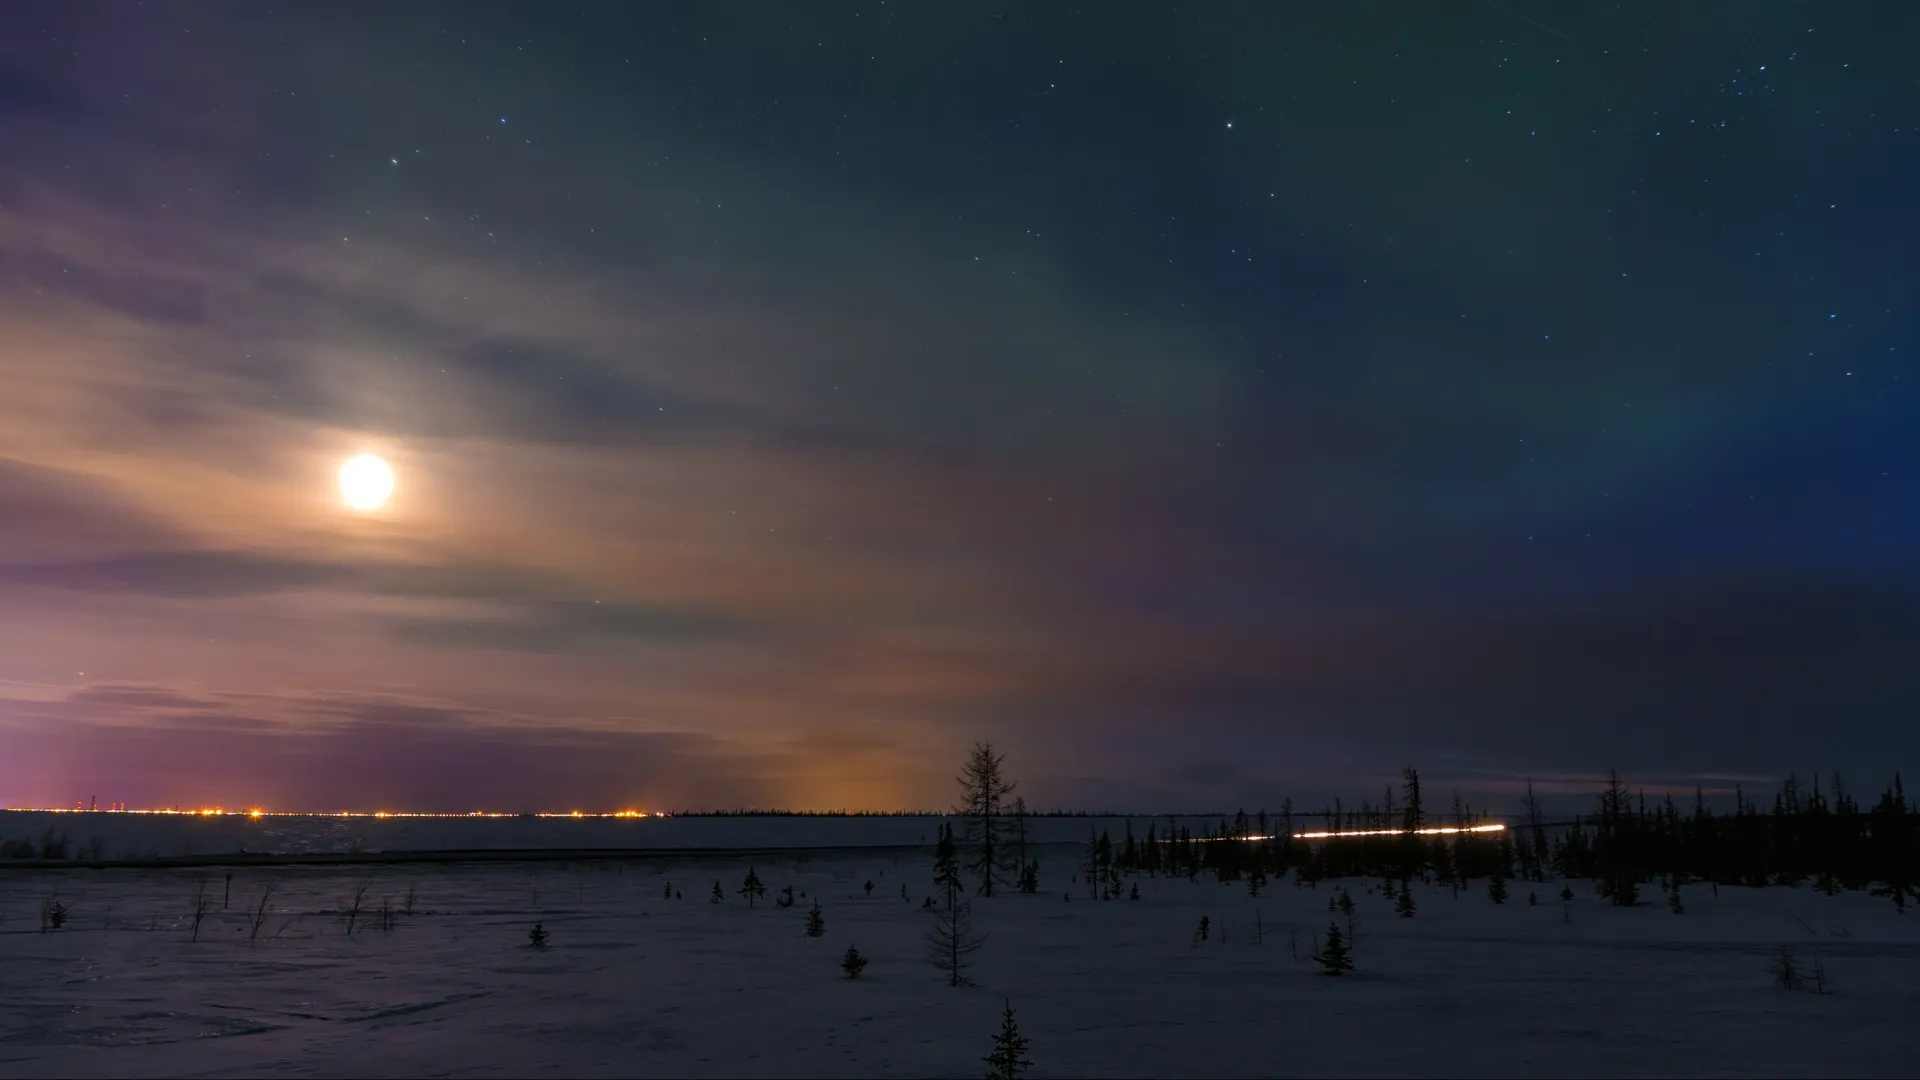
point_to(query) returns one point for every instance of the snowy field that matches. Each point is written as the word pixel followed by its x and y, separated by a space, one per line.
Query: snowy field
pixel 637 985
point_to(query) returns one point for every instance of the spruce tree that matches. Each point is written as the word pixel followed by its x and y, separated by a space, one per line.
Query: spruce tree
pixel 1030 877
pixel 717 894
pixel 852 962
pixel 1403 902
pixel 666 893
pixel 1497 888
pixel 816 923
pixel 1334 957
pixel 1009 1047
pixel 946 863
pixel 537 937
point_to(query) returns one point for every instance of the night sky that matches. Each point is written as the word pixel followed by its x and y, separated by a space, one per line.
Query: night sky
pixel 1205 402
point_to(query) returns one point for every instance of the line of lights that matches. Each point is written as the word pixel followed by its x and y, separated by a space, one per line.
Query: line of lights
pixel 1332 834
pixel 1445 830
pixel 216 811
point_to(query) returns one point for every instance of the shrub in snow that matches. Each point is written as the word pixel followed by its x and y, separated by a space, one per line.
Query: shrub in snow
pixel 852 962
pixel 537 937
pixel 816 924
pixel 1785 971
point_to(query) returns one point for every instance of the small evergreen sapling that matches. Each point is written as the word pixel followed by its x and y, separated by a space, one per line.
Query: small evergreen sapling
pixel 816 923
pixel 666 891
pixel 537 938
pixel 1334 956
pixel 1403 901
pixel 751 888
pixel 1497 889
pixel 1008 1059
pixel 852 962
pixel 717 895
pixel 1135 894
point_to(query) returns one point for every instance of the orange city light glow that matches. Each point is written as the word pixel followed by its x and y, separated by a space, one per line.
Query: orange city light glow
pixel 214 811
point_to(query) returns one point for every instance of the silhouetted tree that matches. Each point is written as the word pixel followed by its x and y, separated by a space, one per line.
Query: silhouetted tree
pixel 1020 841
pixel 751 888
pixel 946 863
pixel 952 940
pixel 1009 1047
pixel 537 937
pixel 816 923
pixel 983 791
pixel 1333 957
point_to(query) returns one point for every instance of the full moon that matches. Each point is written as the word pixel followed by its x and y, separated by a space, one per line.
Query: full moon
pixel 366 482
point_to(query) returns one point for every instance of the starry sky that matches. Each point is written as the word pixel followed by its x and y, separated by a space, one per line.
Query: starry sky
pixel 1205 402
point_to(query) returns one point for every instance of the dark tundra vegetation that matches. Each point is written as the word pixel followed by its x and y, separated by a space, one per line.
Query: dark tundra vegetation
pixel 1807 835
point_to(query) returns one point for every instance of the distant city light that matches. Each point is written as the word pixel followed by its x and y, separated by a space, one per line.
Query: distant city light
pixel 215 811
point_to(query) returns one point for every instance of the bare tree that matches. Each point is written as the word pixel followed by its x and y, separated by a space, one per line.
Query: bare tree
pixel 1536 838
pixel 983 791
pixel 202 904
pixel 952 940
pixel 257 917
pixel 355 906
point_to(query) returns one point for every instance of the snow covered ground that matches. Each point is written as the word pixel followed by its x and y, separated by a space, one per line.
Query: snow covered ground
pixel 637 985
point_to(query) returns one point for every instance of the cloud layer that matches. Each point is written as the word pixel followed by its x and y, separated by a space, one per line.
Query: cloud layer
pixel 753 451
